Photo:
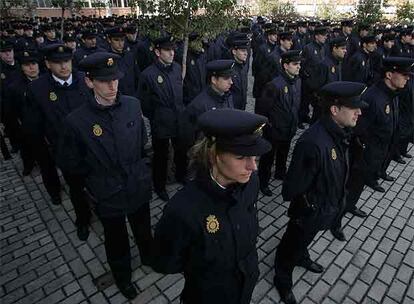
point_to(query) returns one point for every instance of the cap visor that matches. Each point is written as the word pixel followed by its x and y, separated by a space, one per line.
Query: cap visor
pixel 117 75
pixel 261 147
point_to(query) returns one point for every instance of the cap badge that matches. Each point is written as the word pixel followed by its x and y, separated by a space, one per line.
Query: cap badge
pixel 387 109
pixel 192 62
pixel 3 76
pixel 259 129
pixel 110 62
pixel 52 96
pixel 333 70
pixel 26 54
pixel 160 79
pixel 363 63
pixel 333 154
pixel 286 90
pixel 213 224
pixel 60 49
pixel 97 130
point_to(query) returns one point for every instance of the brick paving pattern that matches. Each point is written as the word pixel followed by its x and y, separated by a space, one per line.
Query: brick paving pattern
pixel 42 261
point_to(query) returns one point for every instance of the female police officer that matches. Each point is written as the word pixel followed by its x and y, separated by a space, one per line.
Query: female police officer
pixel 209 228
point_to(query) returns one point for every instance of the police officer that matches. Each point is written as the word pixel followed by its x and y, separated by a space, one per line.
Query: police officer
pixel 315 182
pixel 13 105
pixel 88 46
pixel 301 36
pixel 329 70
pixel 50 35
pixel 240 52
pixel 280 103
pixel 103 142
pixel 406 121
pixel 355 40
pixel 403 45
pixel 70 41
pixel 128 84
pixel 195 79
pixel 50 98
pixel 359 67
pixel 377 131
pixel 313 53
pixel 209 229
pixel 161 93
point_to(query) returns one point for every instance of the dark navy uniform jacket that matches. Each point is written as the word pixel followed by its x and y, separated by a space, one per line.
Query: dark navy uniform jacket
pixel 14 98
pixel 329 70
pixel 280 103
pixel 84 52
pixel 195 76
pixel 313 54
pixel 406 121
pixel 48 103
pixel 300 40
pixel 377 126
pixel 144 53
pixel 160 90
pixel 402 49
pixel 266 67
pixel 316 178
pixel 239 87
pixel 127 64
pixel 104 145
pixel 210 234
pixel 359 68
pixel 25 43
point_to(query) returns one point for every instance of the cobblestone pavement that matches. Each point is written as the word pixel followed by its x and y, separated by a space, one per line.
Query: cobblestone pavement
pixel 42 261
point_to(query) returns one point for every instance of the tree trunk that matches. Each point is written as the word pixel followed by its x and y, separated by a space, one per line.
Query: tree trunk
pixel 62 21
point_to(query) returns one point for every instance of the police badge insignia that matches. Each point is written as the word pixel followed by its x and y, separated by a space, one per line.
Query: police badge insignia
pixel 363 63
pixel 333 70
pixel 52 96
pixel 192 62
pixel 2 76
pixel 97 130
pixel 213 224
pixel 387 109
pixel 110 62
pixel 160 79
pixel 333 154
pixel 316 52
pixel 286 90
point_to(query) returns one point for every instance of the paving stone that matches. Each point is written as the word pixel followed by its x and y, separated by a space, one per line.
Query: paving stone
pixel 319 291
pixel 358 291
pixel 397 290
pixel 377 291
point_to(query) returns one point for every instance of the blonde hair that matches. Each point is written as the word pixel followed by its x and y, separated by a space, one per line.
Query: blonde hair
pixel 202 154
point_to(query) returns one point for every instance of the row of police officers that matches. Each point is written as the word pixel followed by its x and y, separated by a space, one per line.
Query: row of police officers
pixel 78 105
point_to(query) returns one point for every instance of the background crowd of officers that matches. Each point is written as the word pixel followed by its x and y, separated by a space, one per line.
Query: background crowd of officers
pixel 51 107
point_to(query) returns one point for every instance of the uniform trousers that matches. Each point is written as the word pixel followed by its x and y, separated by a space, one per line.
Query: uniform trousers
pixel 280 149
pixel 160 161
pixel 52 184
pixel 117 247
pixel 291 250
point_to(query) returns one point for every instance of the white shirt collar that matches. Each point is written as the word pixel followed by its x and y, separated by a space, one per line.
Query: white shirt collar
pixel 62 82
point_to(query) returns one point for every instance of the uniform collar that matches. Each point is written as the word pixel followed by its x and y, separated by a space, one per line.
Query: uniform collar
pixel 95 105
pixel 340 135
pixel 62 82
pixel 163 67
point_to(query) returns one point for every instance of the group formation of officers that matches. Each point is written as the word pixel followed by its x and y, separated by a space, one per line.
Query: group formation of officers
pixel 78 105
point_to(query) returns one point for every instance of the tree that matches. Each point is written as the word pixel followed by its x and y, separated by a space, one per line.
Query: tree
pixel 64 5
pixel 405 12
pixel 277 9
pixel 370 11
pixel 181 17
pixel 6 7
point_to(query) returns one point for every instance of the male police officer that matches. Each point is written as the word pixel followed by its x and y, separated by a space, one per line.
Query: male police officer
pixel 13 105
pixel 315 182
pixel 377 130
pixel 49 100
pixel 240 52
pixel 103 142
pixel 280 103
pixel 160 90
pixel 88 46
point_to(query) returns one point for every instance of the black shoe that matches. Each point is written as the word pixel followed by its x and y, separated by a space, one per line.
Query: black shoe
pixel 27 171
pixel 399 160
pixel 163 195
pixel 376 187
pixel 338 234
pixel 129 291
pixel 310 265
pixel 406 155
pixel 387 177
pixel 280 175
pixel 286 294
pixel 83 232
pixel 56 200
pixel 301 126
pixel 266 191
pixel 358 212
